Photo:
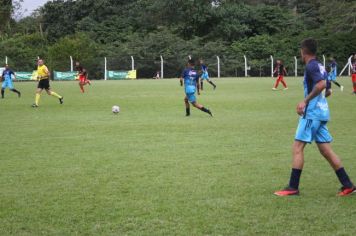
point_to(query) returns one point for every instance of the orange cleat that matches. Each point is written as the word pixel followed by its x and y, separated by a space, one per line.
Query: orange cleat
pixel 346 191
pixel 287 192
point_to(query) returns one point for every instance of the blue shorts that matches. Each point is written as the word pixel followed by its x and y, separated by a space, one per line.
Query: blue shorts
pixel 332 78
pixel 313 130
pixel 191 97
pixel 7 83
pixel 205 76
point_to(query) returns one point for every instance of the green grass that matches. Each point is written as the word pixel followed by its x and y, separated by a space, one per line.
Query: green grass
pixel 77 169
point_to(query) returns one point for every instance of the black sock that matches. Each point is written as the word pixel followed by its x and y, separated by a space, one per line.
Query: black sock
pixel 187 111
pixel 344 178
pixel 294 178
pixel 336 83
pixel 2 93
pixel 205 110
pixel 212 83
pixel 15 91
pixel 201 85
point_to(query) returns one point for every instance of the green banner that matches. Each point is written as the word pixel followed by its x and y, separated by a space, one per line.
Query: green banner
pixel 120 75
pixel 70 75
pixel 23 76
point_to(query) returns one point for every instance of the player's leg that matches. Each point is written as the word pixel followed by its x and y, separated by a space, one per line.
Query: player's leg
pixel 187 106
pixel 3 87
pixel 11 87
pixel 323 140
pixel 336 83
pixel 303 136
pixel 201 107
pixel 37 96
pixel 16 91
pixel 81 86
pixel 354 82
pixel 277 82
pixel 284 83
pixel 201 84
pixel 54 94
pixel 210 82
pixel 335 162
pixel 296 172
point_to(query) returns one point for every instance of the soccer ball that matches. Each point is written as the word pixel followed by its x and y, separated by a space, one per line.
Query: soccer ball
pixel 115 109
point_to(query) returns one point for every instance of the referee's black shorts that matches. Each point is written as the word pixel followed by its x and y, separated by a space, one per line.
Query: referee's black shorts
pixel 43 84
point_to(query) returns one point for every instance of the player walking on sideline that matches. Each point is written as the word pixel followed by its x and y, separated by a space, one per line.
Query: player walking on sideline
pixel 7 81
pixel 43 75
pixel 353 64
pixel 83 76
pixel 314 116
pixel 205 75
pixel 281 71
pixel 333 74
pixel 190 78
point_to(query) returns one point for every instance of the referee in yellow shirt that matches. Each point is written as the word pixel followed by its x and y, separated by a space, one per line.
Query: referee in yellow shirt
pixel 43 75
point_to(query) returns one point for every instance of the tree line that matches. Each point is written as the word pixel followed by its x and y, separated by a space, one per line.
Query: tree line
pixel 90 30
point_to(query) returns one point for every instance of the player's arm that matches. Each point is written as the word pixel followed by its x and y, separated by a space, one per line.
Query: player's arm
pixel 47 72
pixel 275 71
pixel 84 72
pixel 318 88
pixel 13 75
pixel 198 85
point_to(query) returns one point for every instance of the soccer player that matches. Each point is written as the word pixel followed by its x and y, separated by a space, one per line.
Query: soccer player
pixel 43 75
pixel 281 71
pixel 205 75
pixel 83 76
pixel 314 116
pixel 7 81
pixel 333 74
pixel 190 79
pixel 353 64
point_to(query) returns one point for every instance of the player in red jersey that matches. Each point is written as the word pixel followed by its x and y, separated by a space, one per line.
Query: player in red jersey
pixel 353 64
pixel 83 76
pixel 281 71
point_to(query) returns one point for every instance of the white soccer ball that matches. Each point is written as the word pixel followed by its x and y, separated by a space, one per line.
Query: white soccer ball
pixel 115 109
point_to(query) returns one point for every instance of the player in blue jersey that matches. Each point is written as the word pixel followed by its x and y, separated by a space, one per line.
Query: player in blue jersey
pixel 314 116
pixel 205 75
pixel 190 80
pixel 6 76
pixel 333 74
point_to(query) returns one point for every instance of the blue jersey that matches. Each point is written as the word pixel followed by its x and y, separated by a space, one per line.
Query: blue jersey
pixel 190 77
pixel 318 108
pixel 6 74
pixel 333 68
pixel 204 68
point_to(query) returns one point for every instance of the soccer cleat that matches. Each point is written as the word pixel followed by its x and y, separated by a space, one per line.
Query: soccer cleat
pixel 342 88
pixel 288 191
pixel 19 94
pixel 285 88
pixel 274 89
pixel 34 106
pixel 61 100
pixel 214 87
pixel 344 191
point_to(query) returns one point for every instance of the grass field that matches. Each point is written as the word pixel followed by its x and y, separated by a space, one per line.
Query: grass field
pixel 77 169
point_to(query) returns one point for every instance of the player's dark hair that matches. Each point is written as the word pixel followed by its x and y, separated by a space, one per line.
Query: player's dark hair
pixel 191 62
pixel 310 46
